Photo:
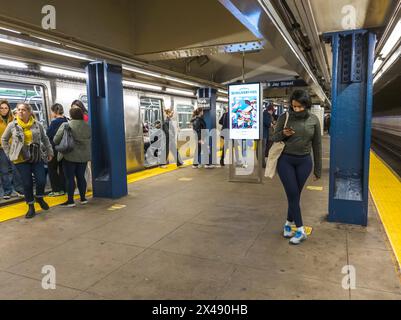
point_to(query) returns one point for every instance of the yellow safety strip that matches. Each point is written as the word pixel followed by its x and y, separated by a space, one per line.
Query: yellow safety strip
pixel 385 188
pixel 18 210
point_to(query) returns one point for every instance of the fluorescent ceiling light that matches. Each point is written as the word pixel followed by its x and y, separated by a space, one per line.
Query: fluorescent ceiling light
pixel 223 91
pixel 392 40
pixel 161 76
pixel 32 45
pixel 15 64
pixel 377 65
pixel 148 73
pixel 16 43
pixel 47 40
pixel 221 99
pixel 395 56
pixel 10 30
pixel 63 53
pixel 63 72
pixel 190 83
pixel 181 92
pixel 141 85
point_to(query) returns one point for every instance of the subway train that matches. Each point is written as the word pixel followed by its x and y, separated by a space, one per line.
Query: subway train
pixel 386 134
pixel 143 109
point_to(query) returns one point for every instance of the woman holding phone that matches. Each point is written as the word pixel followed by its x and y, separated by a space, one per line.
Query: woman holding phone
pixel 301 136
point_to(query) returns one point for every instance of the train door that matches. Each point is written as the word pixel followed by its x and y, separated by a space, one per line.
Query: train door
pixel 184 110
pixel 32 94
pixel 152 122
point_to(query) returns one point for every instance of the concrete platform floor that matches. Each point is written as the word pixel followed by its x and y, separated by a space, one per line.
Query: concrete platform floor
pixel 190 234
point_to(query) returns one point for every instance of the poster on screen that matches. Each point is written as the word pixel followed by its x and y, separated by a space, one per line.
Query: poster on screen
pixel 245 102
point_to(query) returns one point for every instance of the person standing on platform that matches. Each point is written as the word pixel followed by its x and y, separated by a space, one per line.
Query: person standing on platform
pixel 171 142
pixel 30 148
pixel 76 161
pixel 198 124
pixel 302 134
pixel 225 123
pixel 56 173
pixel 80 104
pixel 267 123
pixel 88 171
pixel 5 165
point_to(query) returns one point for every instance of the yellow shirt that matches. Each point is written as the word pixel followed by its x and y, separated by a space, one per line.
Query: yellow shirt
pixel 26 127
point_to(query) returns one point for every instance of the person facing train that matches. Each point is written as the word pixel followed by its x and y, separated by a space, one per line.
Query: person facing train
pixel 75 162
pixel 56 172
pixel 29 149
pixel 80 104
pixel 170 141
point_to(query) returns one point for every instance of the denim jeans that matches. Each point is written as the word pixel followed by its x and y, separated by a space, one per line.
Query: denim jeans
pixel 5 173
pixel 75 170
pixel 26 170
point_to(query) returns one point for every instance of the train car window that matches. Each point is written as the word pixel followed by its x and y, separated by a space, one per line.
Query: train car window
pixel 16 93
pixel 184 113
pixel 151 112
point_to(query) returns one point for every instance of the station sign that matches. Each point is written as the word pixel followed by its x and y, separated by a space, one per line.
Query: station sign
pixel 286 84
pixel 204 103
pixel 244 111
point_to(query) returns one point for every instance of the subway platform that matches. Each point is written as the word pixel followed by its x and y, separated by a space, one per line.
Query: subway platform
pixel 191 234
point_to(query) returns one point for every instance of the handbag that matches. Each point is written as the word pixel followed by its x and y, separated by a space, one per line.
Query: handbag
pixel 274 154
pixel 67 142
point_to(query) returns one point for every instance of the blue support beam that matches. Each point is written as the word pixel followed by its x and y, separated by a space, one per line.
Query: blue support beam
pixel 352 94
pixel 106 113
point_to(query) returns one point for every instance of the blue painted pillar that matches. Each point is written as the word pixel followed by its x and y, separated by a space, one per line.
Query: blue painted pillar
pixel 208 97
pixel 353 58
pixel 106 113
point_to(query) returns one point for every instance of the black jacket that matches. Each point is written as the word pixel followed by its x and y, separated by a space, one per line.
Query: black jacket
pixel 267 123
pixel 224 121
pixel 198 124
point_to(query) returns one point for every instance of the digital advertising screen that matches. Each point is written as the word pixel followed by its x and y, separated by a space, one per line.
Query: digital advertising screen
pixel 244 104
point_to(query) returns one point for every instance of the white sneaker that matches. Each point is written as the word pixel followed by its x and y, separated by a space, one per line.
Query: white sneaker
pixel 288 233
pixel 195 167
pixel 298 238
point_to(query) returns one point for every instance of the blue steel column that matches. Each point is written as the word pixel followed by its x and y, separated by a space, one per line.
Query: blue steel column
pixel 210 119
pixel 106 113
pixel 353 58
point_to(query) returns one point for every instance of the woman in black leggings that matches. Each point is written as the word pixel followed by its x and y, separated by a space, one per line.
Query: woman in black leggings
pixel 75 162
pixel 301 135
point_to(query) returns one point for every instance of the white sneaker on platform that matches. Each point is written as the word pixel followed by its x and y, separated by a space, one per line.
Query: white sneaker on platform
pixel 298 238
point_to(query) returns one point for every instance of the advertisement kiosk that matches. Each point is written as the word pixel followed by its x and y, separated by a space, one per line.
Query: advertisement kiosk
pixel 246 132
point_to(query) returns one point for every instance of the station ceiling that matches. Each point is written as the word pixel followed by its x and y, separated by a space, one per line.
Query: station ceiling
pixel 203 39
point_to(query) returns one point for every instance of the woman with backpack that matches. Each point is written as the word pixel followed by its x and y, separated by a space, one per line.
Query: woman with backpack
pixel 75 161
pixel 29 149
pixel 56 173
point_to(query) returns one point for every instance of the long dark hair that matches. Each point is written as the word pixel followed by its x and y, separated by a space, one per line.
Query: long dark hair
pixel 8 105
pixel 197 112
pixel 80 105
pixel 302 97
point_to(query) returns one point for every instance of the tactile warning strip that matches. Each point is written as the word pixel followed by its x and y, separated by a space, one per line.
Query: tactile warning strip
pixel 385 188
pixel 18 210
